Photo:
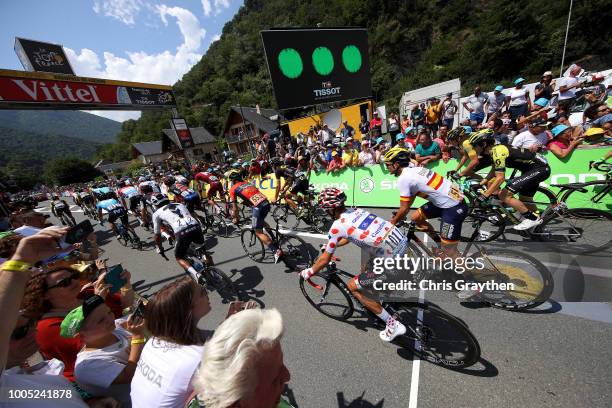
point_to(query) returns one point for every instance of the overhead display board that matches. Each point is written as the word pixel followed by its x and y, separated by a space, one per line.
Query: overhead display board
pixel 34 90
pixel 313 66
pixel 42 56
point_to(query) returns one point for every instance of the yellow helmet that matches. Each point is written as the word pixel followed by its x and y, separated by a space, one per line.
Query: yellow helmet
pixel 397 154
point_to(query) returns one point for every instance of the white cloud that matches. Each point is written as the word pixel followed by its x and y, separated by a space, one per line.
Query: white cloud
pixel 122 10
pixel 207 7
pixel 220 5
pixel 215 38
pixel 162 68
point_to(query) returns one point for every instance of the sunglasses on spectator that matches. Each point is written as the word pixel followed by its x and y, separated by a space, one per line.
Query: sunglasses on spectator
pixel 22 331
pixel 64 283
pixel 602 109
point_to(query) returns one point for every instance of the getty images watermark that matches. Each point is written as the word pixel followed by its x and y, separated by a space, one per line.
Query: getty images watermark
pixel 397 265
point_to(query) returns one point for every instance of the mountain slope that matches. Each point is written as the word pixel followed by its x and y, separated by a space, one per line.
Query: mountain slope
pixel 74 124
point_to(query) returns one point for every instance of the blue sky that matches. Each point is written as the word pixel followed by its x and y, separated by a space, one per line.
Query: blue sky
pixel 154 41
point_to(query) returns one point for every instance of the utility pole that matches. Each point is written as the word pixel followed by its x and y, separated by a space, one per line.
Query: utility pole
pixel 569 16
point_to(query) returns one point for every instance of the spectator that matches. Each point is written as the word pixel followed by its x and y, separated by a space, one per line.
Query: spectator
pixel 448 109
pixel 171 356
pixel 539 109
pixel 595 111
pixel 441 141
pixel 326 133
pixel 546 87
pixel 243 363
pixel 432 115
pixel 399 140
pixel 350 157
pixel 318 160
pixel 500 131
pixel 29 220
pixel 562 144
pixel 112 347
pixel 347 131
pixel 604 122
pixel 336 164
pixel 596 92
pixel 405 123
pixel 364 127
pixel 379 148
pixel 394 126
pixel 495 103
pixel 311 139
pixel 534 138
pixel 519 102
pixel 427 151
pixel 375 126
pixel 476 106
pixel 567 88
pixel 366 156
pixel 418 115
pixel 410 138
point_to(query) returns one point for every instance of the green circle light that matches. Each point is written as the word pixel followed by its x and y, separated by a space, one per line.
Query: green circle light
pixel 351 58
pixel 323 60
pixel 290 63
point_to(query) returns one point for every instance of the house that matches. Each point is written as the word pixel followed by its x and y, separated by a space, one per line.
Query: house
pixel 111 168
pixel 204 145
pixel 149 152
pixel 239 131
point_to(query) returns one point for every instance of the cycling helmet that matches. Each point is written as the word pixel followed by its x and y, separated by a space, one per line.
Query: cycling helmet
pixel 456 134
pixel 159 200
pixel 168 180
pixel 234 175
pixel 330 198
pixel 482 138
pixel 397 154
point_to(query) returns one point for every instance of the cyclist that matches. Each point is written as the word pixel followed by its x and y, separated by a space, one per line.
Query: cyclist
pixel 86 200
pixel 183 194
pixel 126 191
pixel 60 206
pixel 378 237
pixel 186 230
pixel 445 199
pixel 260 205
pixel 296 182
pixel 147 188
pixel 476 162
pixel 116 211
pixel 533 167
pixel 100 191
pixel 214 185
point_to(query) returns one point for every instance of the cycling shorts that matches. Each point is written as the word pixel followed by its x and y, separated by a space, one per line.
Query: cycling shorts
pixel 528 182
pixel 258 218
pixel 214 188
pixel 300 186
pixel 192 202
pixel 134 200
pixel 451 219
pixel 118 213
pixel 62 209
pixel 87 199
pixel 184 238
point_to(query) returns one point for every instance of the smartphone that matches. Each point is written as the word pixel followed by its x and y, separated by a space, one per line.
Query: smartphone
pixel 79 232
pixel 140 308
pixel 113 277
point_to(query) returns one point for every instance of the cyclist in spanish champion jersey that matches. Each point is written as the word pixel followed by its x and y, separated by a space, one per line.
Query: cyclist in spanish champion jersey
pixel 260 206
pixel 445 199
pixel 533 167
pixel 376 236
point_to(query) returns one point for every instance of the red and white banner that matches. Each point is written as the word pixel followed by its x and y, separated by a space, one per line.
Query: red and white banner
pixel 25 90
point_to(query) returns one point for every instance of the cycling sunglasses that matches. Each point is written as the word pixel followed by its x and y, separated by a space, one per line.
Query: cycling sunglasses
pixel 22 331
pixel 64 283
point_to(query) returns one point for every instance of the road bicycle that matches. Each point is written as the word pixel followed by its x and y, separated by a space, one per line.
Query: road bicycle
pixel 127 236
pixel 532 281
pixel 212 278
pixel 591 194
pixel 433 334
pixel 296 252
pixel 316 218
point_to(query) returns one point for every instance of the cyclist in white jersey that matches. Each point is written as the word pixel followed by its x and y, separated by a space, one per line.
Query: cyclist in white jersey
pixel 445 199
pixel 186 230
pixel 379 238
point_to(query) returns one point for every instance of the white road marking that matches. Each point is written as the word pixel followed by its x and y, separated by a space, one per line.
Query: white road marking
pixel 416 363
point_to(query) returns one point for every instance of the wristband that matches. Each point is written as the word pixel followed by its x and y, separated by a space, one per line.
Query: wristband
pixel 138 341
pixel 16 266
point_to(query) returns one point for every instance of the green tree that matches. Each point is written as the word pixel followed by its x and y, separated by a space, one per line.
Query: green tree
pixel 70 170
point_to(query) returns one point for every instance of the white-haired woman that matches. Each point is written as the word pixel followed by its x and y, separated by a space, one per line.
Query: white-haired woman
pixel 242 365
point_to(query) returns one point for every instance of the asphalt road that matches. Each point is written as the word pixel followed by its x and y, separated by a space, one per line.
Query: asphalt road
pixel 556 355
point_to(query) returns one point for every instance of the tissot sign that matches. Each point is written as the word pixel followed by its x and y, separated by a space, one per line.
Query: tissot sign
pixel 25 90
pixel 312 66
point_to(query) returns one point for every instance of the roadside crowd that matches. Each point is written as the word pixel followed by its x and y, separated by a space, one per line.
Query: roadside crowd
pixel 74 331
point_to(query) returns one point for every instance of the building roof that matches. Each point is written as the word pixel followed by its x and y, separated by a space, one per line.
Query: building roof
pixel 199 134
pixel 261 121
pixel 114 166
pixel 148 148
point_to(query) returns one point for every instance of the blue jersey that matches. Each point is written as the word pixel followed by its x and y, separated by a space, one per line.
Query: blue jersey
pixel 109 205
pixel 101 190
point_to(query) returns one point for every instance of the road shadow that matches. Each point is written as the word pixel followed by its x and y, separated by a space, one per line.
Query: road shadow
pixel 359 402
pixel 143 288
pixel 246 281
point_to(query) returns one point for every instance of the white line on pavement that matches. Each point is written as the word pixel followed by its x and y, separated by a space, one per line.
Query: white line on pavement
pixel 416 362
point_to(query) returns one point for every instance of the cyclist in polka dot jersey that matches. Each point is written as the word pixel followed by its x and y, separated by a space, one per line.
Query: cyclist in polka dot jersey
pixel 377 237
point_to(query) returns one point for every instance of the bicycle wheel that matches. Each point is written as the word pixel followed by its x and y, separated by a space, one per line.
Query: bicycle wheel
pixel 542 199
pixel 329 295
pixel 532 283
pixel 222 226
pixel 217 280
pixel 252 245
pixel 587 230
pixel 123 239
pixel 319 221
pixel 283 216
pixel 490 225
pixel 596 194
pixel 441 338
pixel 296 252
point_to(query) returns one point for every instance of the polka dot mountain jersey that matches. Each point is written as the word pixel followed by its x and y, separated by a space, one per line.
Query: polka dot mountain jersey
pixel 366 231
